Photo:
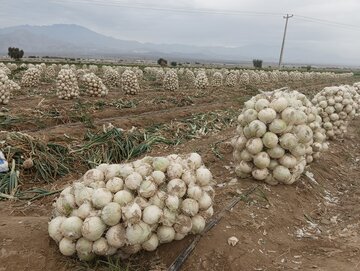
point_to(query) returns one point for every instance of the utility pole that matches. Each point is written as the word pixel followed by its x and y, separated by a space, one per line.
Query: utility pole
pixel 283 42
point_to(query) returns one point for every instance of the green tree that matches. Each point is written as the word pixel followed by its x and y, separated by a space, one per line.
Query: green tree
pixel 257 63
pixel 162 62
pixel 15 53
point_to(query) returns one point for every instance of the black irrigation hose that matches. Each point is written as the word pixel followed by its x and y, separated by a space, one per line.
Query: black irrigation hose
pixel 179 261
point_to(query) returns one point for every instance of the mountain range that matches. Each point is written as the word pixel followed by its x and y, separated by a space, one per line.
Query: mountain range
pixel 77 41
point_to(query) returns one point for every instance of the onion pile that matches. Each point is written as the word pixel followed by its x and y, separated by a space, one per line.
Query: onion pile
pixel 128 207
pixel 31 78
pixel 201 80
pixel 139 73
pixel 5 69
pixel 50 72
pixel 217 79
pixel 4 88
pixel 111 77
pixel 171 81
pixel 189 78
pixel 244 78
pixel 274 139
pixel 66 85
pixel 336 107
pixel 129 82
pixel 356 97
pixel 11 66
pixel 231 79
pixel 93 69
pixel 94 86
pixel 159 75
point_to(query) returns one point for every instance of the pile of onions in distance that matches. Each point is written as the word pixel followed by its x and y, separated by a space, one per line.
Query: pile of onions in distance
pixel 66 85
pixel 31 78
pixel 94 85
pixel 337 107
pixel 276 137
pixel 171 81
pixel 129 82
pixel 124 208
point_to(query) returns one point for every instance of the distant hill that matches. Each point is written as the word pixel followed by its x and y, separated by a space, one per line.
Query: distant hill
pixel 74 40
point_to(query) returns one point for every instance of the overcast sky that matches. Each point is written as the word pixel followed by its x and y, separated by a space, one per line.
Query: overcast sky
pixel 159 26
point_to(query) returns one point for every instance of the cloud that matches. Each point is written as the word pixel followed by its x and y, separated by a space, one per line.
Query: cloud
pixel 206 29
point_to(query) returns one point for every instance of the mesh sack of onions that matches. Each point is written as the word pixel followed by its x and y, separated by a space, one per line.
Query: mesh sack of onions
pixel 274 137
pixel 201 80
pixel 171 81
pixel 4 88
pixel 129 82
pixel 231 79
pixel 159 75
pixel 31 78
pixel 93 85
pixel 67 85
pixel 244 78
pixel 12 66
pixel 139 73
pixel 111 77
pixel 217 79
pixel 50 72
pixel 336 107
pixel 263 77
pixel 5 69
pixel 356 97
pixel 125 208
pixel 189 78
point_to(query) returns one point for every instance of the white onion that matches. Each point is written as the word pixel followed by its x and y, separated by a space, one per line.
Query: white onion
pixel 198 224
pixel 165 234
pixel 147 189
pixel 54 228
pixel 67 247
pixel 261 160
pixel 161 164
pixel 115 236
pixel 132 212
pixel 176 187
pixel 115 184
pixel 174 171
pixel 151 244
pixel 183 224
pixel 194 192
pixel 152 214
pixel 101 247
pixel 133 181
pixel 93 228
pixel 111 213
pixel 123 197
pixel 205 201
pixel 270 140
pixel 137 233
pixel 194 160
pixel 172 202
pixel 158 176
pixel 203 176
pixel 190 207
pixel 101 197
pixel 71 227
pixel 84 249
pixel 93 175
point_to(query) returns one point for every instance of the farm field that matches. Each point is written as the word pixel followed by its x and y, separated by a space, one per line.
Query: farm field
pixel 310 225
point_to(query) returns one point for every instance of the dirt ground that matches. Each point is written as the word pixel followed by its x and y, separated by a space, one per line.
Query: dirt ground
pixel 311 225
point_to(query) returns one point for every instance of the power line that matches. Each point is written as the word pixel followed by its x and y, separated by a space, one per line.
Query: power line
pixel 143 6
pixel 184 10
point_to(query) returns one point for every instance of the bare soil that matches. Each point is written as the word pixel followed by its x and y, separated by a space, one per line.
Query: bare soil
pixel 311 225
